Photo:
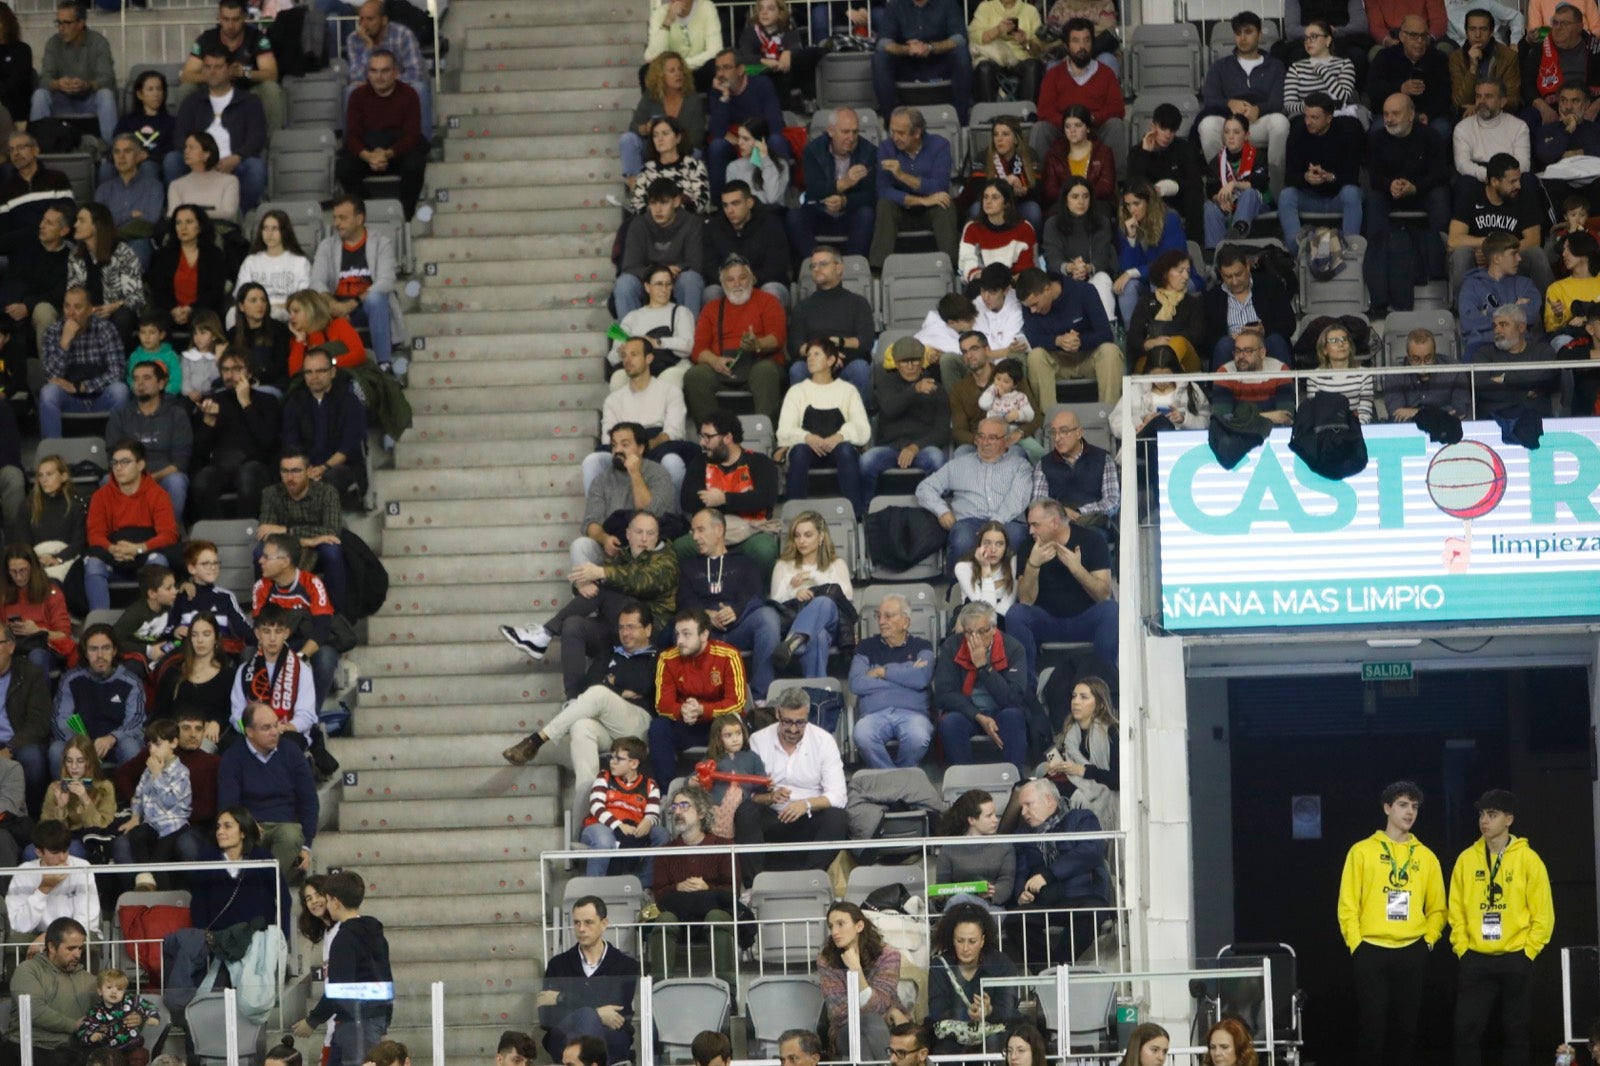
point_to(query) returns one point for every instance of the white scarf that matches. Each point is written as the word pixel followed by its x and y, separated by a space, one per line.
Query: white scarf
pixel 1091 794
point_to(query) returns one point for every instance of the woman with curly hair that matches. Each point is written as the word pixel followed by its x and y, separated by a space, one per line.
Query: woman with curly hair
pixel 855 951
pixel 962 1014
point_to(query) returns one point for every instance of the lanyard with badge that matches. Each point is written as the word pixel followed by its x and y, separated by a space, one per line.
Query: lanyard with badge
pixel 1397 907
pixel 1490 929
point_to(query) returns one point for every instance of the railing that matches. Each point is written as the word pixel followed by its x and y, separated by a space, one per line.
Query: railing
pixel 736 12
pixel 1580 983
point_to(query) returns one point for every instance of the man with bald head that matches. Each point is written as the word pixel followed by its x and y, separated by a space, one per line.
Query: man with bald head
pixel 841 189
pixel 990 483
pixel 891 677
pixel 1081 476
pixel 1408 167
pixel 1419 70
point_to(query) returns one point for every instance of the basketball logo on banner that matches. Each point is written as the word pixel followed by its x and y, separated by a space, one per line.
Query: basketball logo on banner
pixel 1466 480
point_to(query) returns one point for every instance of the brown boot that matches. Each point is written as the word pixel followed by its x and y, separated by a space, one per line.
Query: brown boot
pixel 523 751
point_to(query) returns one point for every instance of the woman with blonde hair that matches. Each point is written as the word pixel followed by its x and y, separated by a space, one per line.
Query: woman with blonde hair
pixel 1085 763
pixel 55 520
pixel 1336 354
pixel 82 796
pixel 1146 227
pixel 810 582
pixel 668 93
pixel 312 323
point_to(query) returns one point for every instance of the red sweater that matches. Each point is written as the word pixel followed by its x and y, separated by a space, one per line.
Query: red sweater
pixel 982 244
pixel 715 677
pixel 762 313
pixel 399 113
pixel 717 872
pixel 339 331
pixel 110 509
pixel 1101 176
pixel 1101 94
pixel 52 615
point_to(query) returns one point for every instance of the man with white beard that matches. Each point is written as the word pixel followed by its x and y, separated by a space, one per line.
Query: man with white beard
pixel 738 343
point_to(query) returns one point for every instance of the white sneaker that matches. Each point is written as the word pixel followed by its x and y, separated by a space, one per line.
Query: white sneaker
pixel 532 641
pixel 145 882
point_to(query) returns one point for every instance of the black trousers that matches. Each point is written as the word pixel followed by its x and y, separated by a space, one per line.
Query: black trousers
pixel 1389 987
pixel 1480 981
pixel 756 824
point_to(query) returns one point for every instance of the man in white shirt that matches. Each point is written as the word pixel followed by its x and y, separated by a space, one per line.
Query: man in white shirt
pixel 807 800
pixel 235 119
pixel 648 401
pixel 42 891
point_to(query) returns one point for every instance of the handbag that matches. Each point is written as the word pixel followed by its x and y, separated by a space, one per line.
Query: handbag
pixel 848 615
pixel 965 1033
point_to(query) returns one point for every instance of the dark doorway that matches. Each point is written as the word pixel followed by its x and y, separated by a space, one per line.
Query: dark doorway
pixel 1341 741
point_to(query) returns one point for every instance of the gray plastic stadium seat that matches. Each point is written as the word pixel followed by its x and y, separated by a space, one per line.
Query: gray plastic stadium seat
pixel 1344 294
pixel 790 905
pixel 923 601
pixel 315 101
pixel 301 164
pixel 1442 324
pixel 912 285
pixel 998 779
pixel 857 278
pixel 844 79
pixel 871 128
pixel 306 215
pixel 682 1007
pixel 943 120
pixel 777 1003
pixel 1164 56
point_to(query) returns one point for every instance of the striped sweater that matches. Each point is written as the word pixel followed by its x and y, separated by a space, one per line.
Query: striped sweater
pixel 983 243
pixel 1330 74
pixel 614 802
pixel 1353 385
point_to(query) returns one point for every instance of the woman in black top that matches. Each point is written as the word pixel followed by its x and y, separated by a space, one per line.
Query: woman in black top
pixel 202 681
pixel 149 120
pixel 263 339
pixel 55 519
pixel 194 239
pixel 16 66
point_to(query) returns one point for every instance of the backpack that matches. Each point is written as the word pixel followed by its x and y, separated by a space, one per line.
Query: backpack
pixel 368 579
pixel 145 927
pixel 1325 258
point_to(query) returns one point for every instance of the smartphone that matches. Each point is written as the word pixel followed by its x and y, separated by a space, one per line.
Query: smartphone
pixel 1053 755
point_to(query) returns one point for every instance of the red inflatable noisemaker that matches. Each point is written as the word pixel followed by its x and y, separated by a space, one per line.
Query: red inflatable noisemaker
pixel 706 772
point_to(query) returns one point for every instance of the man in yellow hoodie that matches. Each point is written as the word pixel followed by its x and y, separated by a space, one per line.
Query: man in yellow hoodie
pixel 1501 917
pixel 1391 913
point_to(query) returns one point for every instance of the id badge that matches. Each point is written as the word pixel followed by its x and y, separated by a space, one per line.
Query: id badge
pixel 1399 906
pixel 1491 925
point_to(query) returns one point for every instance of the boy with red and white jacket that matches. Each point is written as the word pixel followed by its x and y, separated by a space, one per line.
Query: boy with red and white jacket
pixel 624 808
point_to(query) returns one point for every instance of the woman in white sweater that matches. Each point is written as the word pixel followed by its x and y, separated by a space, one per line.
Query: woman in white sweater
pixel 668 324
pixel 989 572
pixel 204 186
pixel 824 423
pixel 276 262
pixel 810 580
pixel 1336 353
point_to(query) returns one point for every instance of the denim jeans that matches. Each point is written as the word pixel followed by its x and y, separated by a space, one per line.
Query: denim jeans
pixel 667 738
pixel 808 221
pixel 177 486
pixel 954 65
pixel 818 619
pixel 1347 201
pixel 53 400
pixel 1246 206
pixel 374 314
pixel 97 577
pixel 1033 626
pixel 956 731
pixel 103 103
pixel 630 152
pixel 600 838
pixel 883 457
pixel 757 632
pixel 845 458
pixel 689 290
pixel 1277 347
pixel 912 729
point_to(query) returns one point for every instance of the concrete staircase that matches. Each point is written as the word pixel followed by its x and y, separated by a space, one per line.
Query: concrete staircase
pixel 479 507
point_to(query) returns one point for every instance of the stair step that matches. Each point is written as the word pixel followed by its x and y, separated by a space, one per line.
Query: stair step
pixel 486 270
pixel 564 196
pixel 407 487
pixel 511 250
pixel 482 401
pixel 431 721
pixel 533 223
pixel 527 424
pixel 621 95
pixel 578 74
pixel 447 814
pixel 436 327
pixel 445 783
pixel 455 657
pixel 503 1009
pixel 452 691
pixel 523 299
pixel 457 514
pixel 448 376
pixel 554 355
pixel 446 879
pixel 455 570
pixel 503 846
pixel 429 629
pixel 409 454
pixel 462 977
pixel 513 15
pixel 601 140
pixel 589 33
pixel 494 540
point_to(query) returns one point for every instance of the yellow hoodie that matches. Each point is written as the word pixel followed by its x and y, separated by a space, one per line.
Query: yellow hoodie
pixel 1373 869
pixel 1522 900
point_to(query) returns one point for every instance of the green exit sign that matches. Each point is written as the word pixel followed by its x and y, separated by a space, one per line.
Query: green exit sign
pixel 1387 672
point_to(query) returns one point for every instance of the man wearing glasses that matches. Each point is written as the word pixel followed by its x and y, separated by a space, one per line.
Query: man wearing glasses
pixel 130 523
pixel 729 478
pixel 1416 70
pixel 31 189
pixel 327 423
pixel 308 511
pixel 1081 476
pixel 1273 396
pixel 77 73
pixel 988 484
pixel 806 802
pixel 692 888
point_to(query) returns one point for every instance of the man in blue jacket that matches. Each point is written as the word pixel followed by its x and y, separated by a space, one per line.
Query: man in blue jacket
pixel 1069 336
pixel 734 98
pixel 107 700
pixel 274 783
pixel 1059 873
pixel 841 192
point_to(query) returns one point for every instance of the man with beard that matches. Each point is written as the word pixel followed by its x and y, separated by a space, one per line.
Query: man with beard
pixel 1274 397
pixel 1408 171
pixel 1500 205
pixel 692 888
pixel 107 699
pixel 648 401
pixel 1569 55
pixel 161 424
pixel 1481 55
pixel 735 481
pixel 732 591
pixel 698 680
pixel 1486 133
pixel 1507 388
pixel 627 483
pixel 738 343
pixel 1082 79
pixel 61 992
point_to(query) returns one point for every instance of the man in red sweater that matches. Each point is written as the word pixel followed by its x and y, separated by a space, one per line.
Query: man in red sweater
pixel 130 524
pixel 1082 79
pixel 697 680
pixel 383 134
pixel 738 343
